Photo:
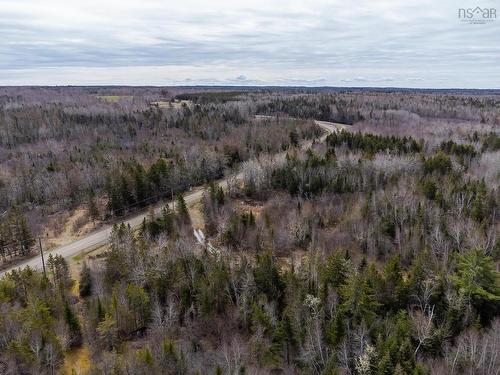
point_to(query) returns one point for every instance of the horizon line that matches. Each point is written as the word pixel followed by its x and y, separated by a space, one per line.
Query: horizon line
pixel 249 87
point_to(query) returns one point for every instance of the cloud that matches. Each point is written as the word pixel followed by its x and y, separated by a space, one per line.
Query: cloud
pixel 305 43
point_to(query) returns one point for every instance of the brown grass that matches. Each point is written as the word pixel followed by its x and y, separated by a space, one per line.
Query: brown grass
pixel 77 359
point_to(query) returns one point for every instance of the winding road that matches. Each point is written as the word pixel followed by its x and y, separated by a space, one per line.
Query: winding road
pixel 101 237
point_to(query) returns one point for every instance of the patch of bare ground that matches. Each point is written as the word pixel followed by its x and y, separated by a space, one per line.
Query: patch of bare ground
pixel 196 215
pixel 250 205
pixel 76 361
pixel 69 226
pixel 176 104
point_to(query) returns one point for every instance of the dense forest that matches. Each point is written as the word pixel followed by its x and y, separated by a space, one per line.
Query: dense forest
pixel 113 154
pixel 375 251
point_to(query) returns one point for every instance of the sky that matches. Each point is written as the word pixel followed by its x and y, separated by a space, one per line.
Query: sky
pixel 369 43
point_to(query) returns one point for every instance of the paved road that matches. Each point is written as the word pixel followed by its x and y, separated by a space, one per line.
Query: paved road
pixel 102 236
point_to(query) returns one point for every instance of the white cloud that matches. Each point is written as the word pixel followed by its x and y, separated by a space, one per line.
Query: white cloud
pixel 387 42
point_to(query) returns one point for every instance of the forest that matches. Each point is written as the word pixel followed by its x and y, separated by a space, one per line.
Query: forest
pixel 375 250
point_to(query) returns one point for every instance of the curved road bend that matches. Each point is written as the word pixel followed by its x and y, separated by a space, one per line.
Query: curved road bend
pixel 102 236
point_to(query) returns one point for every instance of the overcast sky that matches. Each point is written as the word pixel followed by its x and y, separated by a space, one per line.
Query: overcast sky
pixel 403 43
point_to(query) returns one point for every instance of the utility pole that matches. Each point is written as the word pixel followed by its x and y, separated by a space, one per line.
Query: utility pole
pixel 41 253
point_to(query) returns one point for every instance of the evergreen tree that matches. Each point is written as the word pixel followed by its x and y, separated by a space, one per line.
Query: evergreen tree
pixel 182 210
pixel 138 303
pixel 59 269
pixel 140 184
pixel 85 286
pixel 73 325
pixel 267 277
pixel 93 209
pixel 394 290
pixel 479 282
pixel 126 195
pixel 294 138
pixel 20 231
pixel 335 271
pixel 429 189
pixel 219 195
pixel 108 332
pixel 358 299
pixel 115 202
pixel 335 330
pixel 168 220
